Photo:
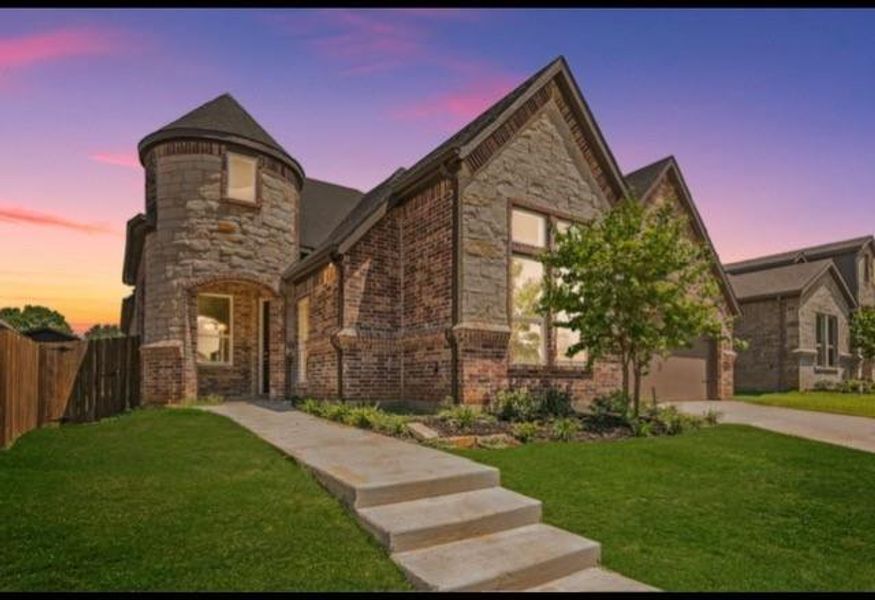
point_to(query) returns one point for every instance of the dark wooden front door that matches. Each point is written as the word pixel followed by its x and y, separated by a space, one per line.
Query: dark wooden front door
pixel 264 348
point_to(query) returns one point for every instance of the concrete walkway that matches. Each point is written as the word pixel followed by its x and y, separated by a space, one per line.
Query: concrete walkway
pixel 443 518
pixel 843 430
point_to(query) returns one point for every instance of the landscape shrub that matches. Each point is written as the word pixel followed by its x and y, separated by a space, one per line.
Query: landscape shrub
pixel 565 429
pixel 519 405
pixel 846 386
pixel 464 417
pixel 610 408
pixel 555 402
pixel 514 405
pixel 667 420
pixel 525 431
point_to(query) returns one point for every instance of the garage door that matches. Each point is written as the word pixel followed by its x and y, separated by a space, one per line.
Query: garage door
pixel 683 375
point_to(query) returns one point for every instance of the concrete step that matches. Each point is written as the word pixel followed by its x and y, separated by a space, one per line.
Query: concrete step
pixel 514 559
pixel 594 579
pixel 426 522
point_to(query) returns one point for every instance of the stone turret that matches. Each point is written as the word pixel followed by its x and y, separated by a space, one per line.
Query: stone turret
pixel 222 207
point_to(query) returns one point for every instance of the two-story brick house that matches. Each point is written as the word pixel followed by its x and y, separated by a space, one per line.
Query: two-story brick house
pixel 797 306
pixel 407 292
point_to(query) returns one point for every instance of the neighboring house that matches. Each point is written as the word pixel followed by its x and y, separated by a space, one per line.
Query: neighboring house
pixel 796 309
pixel 252 279
pixel 50 334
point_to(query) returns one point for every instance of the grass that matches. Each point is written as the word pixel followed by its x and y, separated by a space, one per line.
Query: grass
pixel 725 508
pixel 173 500
pixel 861 405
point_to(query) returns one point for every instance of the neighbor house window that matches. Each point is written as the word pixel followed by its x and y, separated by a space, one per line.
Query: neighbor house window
pixel 303 322
pixel 827 338
pixel 214 329
pixel 241 177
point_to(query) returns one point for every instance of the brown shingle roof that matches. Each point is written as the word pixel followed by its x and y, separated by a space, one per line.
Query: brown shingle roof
pixel 810 253
pixel 323 207
pixel 640 181
pixel 787 280
pixel 402 178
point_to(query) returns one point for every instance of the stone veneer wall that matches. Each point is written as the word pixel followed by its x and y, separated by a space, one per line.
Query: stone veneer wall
pixel 201 236
pixel 544 164
pixel 824 297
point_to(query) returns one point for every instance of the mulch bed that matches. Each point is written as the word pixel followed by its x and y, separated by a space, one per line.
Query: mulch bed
pixel 590 430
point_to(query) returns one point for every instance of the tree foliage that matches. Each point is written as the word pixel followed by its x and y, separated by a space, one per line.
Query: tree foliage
pixel 99 331
pixel 33 317
pixel 633 284
pixel 863 332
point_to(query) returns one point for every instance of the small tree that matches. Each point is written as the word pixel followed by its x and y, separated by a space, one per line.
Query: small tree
pixel 33 317
pixel 863 332
pixel 632 284
pixel 98 331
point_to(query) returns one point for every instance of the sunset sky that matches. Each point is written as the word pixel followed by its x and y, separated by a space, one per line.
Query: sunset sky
pixel 771 114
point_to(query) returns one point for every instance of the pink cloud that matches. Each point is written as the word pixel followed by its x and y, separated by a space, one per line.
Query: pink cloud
pixel 369 41
pixel 23 216
pixel 120 159
pixel 26 50
pixel 460 105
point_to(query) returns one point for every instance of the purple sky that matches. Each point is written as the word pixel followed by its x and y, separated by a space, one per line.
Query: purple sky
pixel 770 113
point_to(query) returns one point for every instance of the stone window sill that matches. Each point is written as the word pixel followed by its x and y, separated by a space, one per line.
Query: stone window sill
pixel 244 203
pixel 826 370
pixel 550 371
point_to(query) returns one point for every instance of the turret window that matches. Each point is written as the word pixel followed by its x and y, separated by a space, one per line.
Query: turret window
pixel 241 177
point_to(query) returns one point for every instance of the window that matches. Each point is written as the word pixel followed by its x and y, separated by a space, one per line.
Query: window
pixel 827 340
pixel 528 228
pixel 528 343
pixel 214 329
pixel 303 323
pixel 241 177
pixel 565 338
pixel 528 339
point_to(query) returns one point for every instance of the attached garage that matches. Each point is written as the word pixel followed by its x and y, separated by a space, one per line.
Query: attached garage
pixel 686 374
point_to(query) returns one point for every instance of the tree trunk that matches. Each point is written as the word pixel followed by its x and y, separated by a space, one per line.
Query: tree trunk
pixel 637 395
pixel 625 367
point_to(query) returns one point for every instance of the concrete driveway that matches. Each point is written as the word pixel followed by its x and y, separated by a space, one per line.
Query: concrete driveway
pixel 843 430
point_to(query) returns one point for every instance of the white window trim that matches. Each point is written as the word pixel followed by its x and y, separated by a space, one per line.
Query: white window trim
pixel 230 361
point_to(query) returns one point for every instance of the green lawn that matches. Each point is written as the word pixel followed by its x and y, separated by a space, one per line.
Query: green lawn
pixel 173 500
pixel 861 405
pixel 723 508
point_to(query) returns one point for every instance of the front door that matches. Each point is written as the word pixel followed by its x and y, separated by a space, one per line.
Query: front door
pixel 264 347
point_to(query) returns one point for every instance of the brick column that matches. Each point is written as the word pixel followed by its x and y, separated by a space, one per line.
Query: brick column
pixel 163 379
pixel 481 361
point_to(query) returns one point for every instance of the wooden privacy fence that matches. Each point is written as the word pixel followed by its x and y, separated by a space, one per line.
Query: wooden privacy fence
pixel 77 382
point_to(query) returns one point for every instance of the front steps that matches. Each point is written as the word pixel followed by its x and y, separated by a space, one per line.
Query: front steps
pixel 443 518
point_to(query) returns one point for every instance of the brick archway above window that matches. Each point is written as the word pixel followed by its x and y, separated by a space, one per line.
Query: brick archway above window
pixel 268 285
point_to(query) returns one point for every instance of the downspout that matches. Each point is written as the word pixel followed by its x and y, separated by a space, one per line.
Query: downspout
pixel 338 265
pixel 453 176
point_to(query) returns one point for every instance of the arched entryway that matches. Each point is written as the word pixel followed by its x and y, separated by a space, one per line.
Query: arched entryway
pixel 236 336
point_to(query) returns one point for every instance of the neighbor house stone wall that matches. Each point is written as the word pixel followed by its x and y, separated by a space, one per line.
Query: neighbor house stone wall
pixel 200 234
pixel 823 297
pixel 866 291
